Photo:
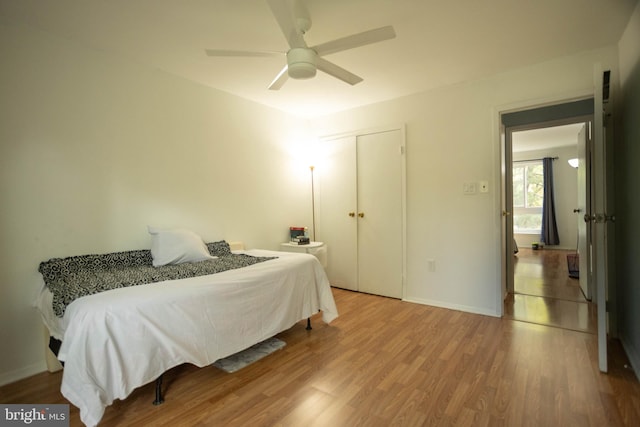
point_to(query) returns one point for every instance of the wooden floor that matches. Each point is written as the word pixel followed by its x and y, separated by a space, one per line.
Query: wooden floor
pixel 385 362
pixel 546 295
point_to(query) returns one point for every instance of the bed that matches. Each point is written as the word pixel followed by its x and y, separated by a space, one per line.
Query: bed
pixel 117 340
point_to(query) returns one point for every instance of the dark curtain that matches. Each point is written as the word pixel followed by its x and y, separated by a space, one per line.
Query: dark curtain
pixel 549 227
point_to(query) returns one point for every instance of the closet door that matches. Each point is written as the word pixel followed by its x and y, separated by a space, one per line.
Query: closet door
pixel 359 212
pixel 379 222
pixel 336 207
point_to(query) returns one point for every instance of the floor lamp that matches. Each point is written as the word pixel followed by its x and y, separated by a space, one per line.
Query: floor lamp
pixel 313 206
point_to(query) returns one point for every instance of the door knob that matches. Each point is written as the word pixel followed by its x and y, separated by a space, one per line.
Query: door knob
pixel 577 210
pixel 352 214
pixel 361 214
pixel 506 213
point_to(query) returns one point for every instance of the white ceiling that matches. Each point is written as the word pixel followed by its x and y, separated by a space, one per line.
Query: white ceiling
pixel 438 43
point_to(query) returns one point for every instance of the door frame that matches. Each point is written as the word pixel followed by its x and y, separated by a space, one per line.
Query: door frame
pixel 502 155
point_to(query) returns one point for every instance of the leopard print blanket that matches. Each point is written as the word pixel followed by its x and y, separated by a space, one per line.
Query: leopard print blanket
pixel 77 276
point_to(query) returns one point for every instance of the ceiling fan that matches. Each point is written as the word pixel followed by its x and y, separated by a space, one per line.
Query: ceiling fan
pixel 302 60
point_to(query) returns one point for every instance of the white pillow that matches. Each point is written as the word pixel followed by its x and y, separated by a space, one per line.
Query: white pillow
pixel 175 246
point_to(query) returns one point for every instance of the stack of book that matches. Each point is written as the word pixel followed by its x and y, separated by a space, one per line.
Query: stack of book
pixel 300 240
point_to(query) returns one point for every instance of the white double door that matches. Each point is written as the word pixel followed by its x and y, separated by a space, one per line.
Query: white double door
pixel 360 211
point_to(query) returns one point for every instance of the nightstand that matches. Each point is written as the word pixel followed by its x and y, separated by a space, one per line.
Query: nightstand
pixel 317 249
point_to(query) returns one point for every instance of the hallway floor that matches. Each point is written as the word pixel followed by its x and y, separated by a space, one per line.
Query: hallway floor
pixel 546 295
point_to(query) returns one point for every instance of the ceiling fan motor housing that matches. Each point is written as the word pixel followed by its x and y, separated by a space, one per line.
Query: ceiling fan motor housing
pixel 301 63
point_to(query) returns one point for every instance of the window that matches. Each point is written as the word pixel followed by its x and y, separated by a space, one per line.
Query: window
pixel 528 193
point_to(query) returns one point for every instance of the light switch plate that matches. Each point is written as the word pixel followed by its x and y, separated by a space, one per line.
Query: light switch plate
pixel 469 188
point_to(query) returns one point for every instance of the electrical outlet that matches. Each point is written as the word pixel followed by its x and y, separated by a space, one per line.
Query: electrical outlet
pixel 431 265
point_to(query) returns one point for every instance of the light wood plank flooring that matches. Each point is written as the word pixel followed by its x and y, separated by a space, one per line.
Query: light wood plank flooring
pixel 546 295
pixel 385 362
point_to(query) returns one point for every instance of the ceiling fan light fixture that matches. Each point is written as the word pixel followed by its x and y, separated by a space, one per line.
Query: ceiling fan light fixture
pixel 301 63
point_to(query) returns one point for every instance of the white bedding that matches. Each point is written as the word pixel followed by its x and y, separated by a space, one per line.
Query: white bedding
pixel 116 341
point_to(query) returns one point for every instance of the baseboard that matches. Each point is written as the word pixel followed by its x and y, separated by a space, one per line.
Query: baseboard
pixel 22 373
pixel 456 307
pixel 633 355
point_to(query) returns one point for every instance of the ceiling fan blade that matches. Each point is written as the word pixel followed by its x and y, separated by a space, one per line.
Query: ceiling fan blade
pixel 280 79
pixel 337 72
pixel 226 52
pixel 356 40
pixel 283 11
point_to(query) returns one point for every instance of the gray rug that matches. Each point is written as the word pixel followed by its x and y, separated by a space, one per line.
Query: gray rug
pixel 246 357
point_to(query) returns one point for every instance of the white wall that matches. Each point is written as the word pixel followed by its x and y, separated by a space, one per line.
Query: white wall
pixel 93 148
pixel 566 196
pixel 452 137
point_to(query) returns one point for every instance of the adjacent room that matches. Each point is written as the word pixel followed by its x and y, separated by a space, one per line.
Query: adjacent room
pixel 547 286
pixel 380 132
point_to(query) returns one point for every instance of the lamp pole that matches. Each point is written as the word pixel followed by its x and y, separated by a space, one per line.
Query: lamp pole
pixel 313 205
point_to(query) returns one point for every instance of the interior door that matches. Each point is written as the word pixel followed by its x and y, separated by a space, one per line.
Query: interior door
pixel 583 209
pixel 336 207
pixel 379 215
pixel 599 218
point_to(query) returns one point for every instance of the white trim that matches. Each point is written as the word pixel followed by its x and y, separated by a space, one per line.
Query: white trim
pixel 501 247
pixel 403 166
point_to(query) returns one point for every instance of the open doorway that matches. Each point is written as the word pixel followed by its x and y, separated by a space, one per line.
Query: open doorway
pixel 598 214
pixel 546 286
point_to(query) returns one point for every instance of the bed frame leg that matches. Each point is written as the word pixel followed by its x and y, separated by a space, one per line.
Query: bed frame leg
pixel 159 400
pixel 309 324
